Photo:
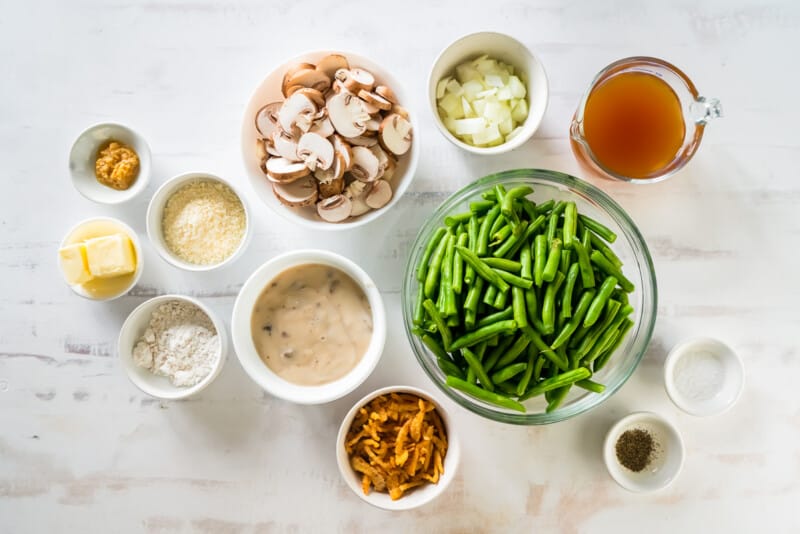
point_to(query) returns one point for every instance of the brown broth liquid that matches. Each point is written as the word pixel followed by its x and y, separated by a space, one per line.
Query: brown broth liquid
pixel 633 124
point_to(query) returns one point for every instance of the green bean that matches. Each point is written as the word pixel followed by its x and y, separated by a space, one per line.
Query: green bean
pixel 447 277
pixel 518 306
pixel 482 270
pixel 500 300
pixel 483 333
pixel 419 311
pixel 612 307
pixel 507 313
pixel 580 311
pixel 598 244
pixel 482 247
pixel 607 338
pixel 422 268
pixel 506 389
pixel 441 326
pixel 475 364
pixel 489 295
pixel 525 379
pixel 471 378
pixel 539 258
pixel 533 227
pixel 508 372
pixel 469 319
pixel 591 385
pixel 558 209
pixel 481 206
pixel 613 346
pixel 435 347
pixel 586 239
pixel 566 261
pixel 529 207
pixel 435 268
pixel 552 226
pixel 553 260
pixel 492 341
pixel 453 320
pixel 473 296
pixel 538 367
pixel 526 264
pixel 472 232
pixel 544 349
pixel 570 223
pixel 499 222
pixel 608 268
pixel 458 265
pixel 449 368
pixel 544 207
pixel 513 280
pixel 566 297
pixel 507 205
pixel 587 275
pixel 558 396
pixel 455 220
pixel 520 344
pixel 512 240
pixel 482 394
pixel 600 300
pixel 501 235
pixel 557 381
pixel 532 304
pixel 504 264
pixel 489 195
pixel 500 193
pixel 598 228
pixel 498 352
pixel 549 303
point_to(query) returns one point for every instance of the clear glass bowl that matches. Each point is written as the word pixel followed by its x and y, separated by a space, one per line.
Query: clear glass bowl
pixel 629 246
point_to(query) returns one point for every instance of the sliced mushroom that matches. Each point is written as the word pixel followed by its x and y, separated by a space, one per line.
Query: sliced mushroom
pixel 373 125
pixel 383 159
pixel 371 108
pixel 315 151
pixel 362 79
pixel 332 173
pixel 357 191
pixel 323 127
pixel 376 100
pixel 395 134
pixel 285 145
pixel 334 209
pixel 379 195
pixel 347 114
pixel 332 188
pixel 291 72
pixel 284 171
pixel 314 95
pixel 363 140
pixel 400 110
pixel 388 172
pixel 297 113
pixel 301 192
pixel 386 93
pixel 366 166
pixel 267 119
pixel 261 152
pixel 331 63
pixel 343 149
pixel 311 78
pixel 270 146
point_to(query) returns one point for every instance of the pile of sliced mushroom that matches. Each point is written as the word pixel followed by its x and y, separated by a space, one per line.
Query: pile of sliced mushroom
pixel 335 140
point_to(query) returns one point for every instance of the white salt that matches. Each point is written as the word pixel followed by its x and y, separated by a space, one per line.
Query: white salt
pixel 699 376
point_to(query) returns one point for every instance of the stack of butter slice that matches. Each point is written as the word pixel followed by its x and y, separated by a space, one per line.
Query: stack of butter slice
pixel 100 257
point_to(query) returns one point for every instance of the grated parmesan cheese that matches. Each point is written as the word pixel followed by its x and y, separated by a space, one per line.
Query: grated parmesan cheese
pixel 204 222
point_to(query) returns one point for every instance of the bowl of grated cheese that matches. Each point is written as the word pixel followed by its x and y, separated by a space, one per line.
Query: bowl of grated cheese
pixel 198 222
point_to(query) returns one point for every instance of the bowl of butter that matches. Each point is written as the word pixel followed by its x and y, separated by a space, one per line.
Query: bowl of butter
pixel 100 258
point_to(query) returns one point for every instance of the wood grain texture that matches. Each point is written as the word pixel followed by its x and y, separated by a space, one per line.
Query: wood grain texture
pixel 82 450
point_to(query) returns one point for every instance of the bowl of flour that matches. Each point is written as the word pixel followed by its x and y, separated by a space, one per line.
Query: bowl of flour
pixel 172 346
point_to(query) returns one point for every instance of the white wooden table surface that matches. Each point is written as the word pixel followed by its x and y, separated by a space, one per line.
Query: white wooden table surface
pixel 82 450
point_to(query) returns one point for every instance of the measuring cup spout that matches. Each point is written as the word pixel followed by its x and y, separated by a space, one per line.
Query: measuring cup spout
pixel 705 109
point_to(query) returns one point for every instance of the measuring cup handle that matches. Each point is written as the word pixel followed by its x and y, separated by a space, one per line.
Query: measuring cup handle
pixel 705 109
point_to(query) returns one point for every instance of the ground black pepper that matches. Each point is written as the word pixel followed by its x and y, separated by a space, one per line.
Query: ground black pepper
pixel 635 449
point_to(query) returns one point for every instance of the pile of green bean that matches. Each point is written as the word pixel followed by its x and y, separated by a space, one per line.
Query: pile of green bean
pixel 517 299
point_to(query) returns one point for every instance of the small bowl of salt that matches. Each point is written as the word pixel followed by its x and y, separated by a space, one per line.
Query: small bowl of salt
pixel 703 376
pixel 172 346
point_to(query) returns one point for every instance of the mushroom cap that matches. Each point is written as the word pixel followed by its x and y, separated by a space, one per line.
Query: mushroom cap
pixel 296 113
pixel 383 158
pixel 347 114
pixel 285 171
pixel 344 149
pixel 317 97
pixel 376 100
pixel 296 194
pixel 261 151
pixel 285 145
pixel 366 166
pixel 334 209
pixel 395 134
pixel 379 195
pixel 291 71
pixel 267 118
pixel 331 63
pixel 315 150
pixel 311 78
pixel 387 93
pixel 363 140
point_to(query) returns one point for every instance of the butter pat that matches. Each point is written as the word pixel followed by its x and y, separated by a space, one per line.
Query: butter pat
pixel 110 256
pixel 74 264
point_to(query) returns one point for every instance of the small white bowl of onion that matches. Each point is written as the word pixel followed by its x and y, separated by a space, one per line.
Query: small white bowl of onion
pixel 488 93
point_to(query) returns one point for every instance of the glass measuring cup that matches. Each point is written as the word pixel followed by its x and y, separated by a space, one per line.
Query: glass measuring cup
pixel 696 111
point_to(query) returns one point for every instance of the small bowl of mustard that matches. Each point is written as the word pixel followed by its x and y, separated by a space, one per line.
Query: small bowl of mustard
pixel 110 163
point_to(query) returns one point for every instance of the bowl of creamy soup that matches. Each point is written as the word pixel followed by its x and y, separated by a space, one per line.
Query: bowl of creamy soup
pixel 309 326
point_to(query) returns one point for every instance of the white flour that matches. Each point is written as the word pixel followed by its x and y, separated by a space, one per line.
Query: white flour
pixel 180 343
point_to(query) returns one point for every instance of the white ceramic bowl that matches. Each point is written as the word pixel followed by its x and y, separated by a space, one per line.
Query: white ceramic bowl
pixel 712 368
pixel 159 386
pixel 270 91
pixel 508 50
pixel 418 496
pixel 263 375
pixel 137 248
pixel 668 459
pixel 155 214
pixel 84 153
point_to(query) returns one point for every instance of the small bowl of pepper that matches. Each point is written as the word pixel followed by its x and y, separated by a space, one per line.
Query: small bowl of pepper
pixel 110 163
pixel 643 452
